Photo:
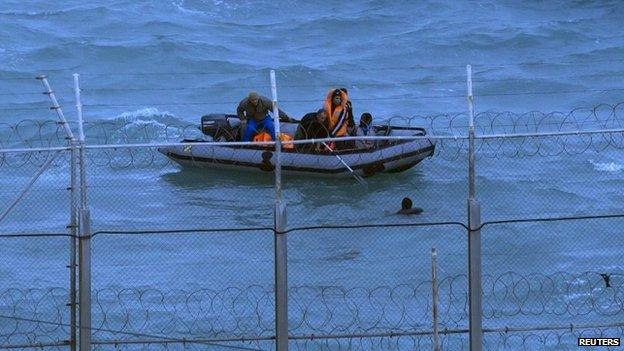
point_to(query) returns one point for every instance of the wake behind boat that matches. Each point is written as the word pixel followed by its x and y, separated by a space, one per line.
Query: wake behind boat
pixel 378 156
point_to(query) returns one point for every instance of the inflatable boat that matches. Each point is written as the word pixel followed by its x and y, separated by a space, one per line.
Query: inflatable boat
pixel 378 156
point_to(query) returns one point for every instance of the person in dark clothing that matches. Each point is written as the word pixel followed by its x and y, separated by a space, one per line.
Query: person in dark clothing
pixel 351 128
pixel 406 207
pixel 365 129
pixel 253 111
pixel 312 126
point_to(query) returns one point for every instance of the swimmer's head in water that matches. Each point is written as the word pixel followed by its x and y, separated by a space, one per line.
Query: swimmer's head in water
pixel 406 204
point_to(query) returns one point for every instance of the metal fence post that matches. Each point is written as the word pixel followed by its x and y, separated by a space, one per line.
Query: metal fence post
pixel 434 298
pixel 84 249
pixel 474 233
pixel 55 106
pixel 73 221
pixel 81 139
pixel 73 225
pixel 280 238
pixel 84 280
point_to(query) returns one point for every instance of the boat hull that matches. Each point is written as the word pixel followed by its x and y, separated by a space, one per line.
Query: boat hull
pixel 391 158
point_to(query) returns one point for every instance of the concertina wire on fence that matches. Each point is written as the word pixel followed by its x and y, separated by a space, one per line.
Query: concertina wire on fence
pixel 329 315
pixel 394 320
pixel 494 139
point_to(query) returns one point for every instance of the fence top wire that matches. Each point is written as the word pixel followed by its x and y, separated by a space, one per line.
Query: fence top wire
pixel 215 342
pixel 160 338
pixel 156 144
pixel 322 227
pixel 355 85
pixel 320 99
pixel 115 105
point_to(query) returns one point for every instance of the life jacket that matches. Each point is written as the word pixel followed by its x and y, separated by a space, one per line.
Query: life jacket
pixel 337 118
pixel 286 137
pixel 262 136
pixel 265 136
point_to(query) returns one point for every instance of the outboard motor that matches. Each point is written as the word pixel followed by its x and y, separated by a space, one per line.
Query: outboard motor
pixel 221 127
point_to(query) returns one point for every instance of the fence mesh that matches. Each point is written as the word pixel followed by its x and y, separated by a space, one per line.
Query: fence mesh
pixel 553 272
pixel 34 291
pixel 45 207
pixel 183 256
pixel 196 285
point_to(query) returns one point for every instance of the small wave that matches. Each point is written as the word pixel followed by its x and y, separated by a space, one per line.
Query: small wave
pixel 54 12
pixel 179 4
pixel 148 124
pixel 140 115
pixel 611 167
pixel 32 13
pixel 212 8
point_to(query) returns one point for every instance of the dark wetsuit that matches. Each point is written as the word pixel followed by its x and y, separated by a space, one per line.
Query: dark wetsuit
pixel 310 128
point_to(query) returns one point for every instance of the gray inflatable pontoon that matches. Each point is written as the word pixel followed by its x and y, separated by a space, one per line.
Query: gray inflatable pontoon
pixel 383 156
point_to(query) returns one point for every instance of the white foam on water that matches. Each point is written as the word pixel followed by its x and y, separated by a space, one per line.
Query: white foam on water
pixel 611 167
pixel 144 112
pixel 180 6
pixel 216 5
pixel 148 117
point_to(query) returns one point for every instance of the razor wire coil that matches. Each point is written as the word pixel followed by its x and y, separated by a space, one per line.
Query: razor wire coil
pixel 321 314
pixel 31 133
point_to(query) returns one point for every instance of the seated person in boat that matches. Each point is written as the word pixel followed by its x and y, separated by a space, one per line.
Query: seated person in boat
pixel 365 129
pixel 340 116
pixel 253 111
pixel 312 126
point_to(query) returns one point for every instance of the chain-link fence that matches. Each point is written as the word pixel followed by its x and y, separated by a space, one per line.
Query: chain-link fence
pixel 183 249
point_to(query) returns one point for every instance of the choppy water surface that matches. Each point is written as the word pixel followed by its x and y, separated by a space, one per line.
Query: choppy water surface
pixel 163 64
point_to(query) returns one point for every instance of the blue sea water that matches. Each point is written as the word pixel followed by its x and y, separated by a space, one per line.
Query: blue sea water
pixel 150 67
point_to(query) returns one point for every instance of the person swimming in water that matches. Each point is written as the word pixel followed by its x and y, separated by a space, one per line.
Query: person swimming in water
pixel 406 208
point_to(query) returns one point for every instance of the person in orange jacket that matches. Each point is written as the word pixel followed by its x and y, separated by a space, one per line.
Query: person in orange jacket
pixel 340 115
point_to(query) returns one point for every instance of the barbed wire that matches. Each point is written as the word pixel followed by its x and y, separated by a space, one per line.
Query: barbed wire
pixel 320 100
pixel 152 338
pixel 422 81
pixel 447 130
pixel 41 109
pixel 458 340
pixel 409 97
pixel 146 156
pixel 15 93
pixel 555 339
pixel 319 314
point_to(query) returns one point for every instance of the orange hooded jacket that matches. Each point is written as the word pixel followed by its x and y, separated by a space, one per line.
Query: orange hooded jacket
pixel 264 136
pixel 339 116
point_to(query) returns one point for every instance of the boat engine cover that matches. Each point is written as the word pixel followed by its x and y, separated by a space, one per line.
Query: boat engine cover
pixel 219 127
